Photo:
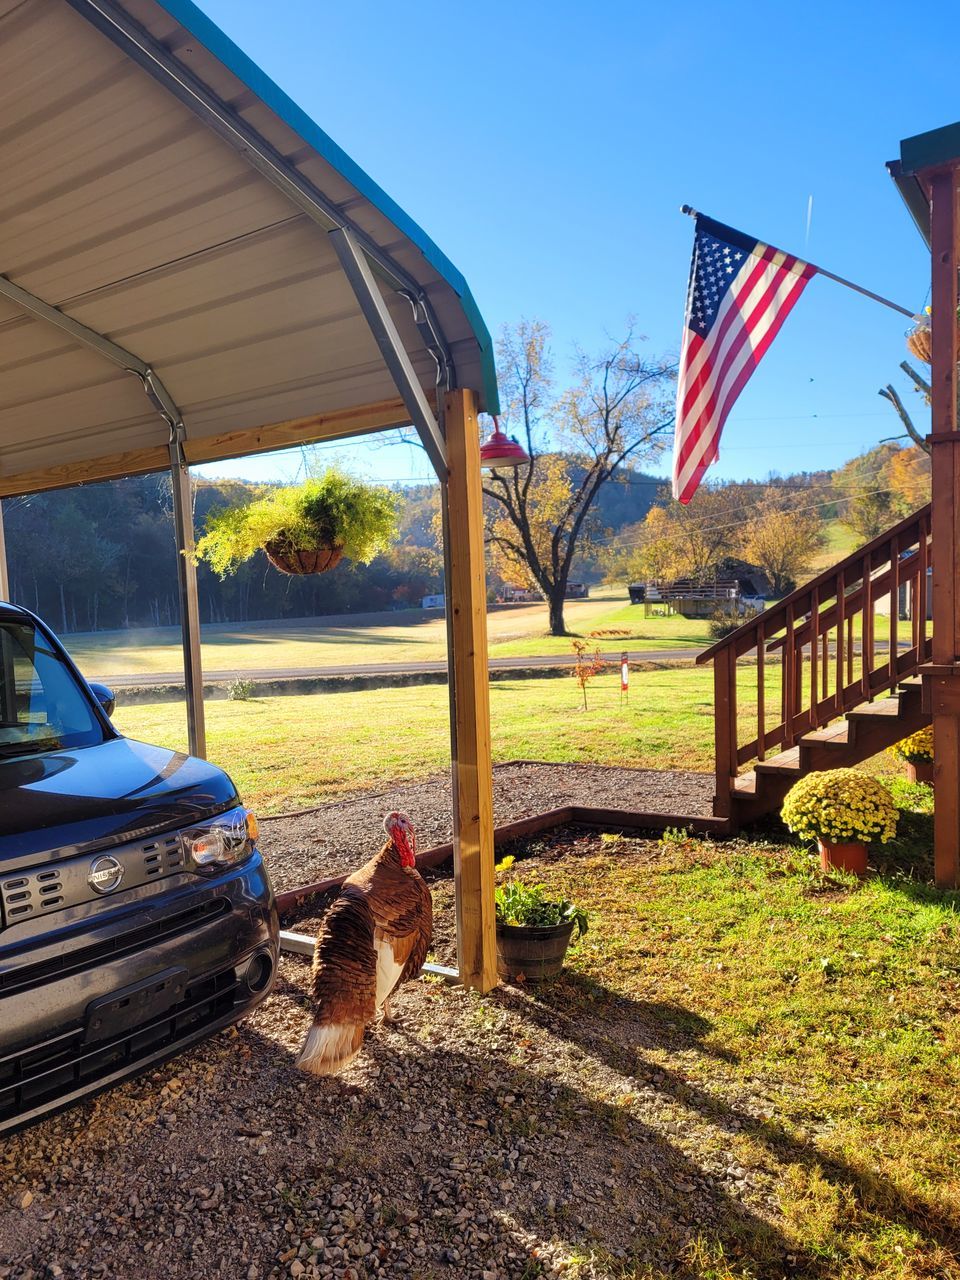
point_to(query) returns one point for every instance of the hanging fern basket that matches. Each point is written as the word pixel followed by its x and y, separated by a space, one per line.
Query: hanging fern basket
pixel 297 561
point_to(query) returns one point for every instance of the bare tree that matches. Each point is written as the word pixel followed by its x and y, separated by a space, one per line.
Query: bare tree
pixel 889 392
pixel 616 412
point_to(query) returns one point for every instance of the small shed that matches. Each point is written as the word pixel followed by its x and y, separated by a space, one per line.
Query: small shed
pixel 192 270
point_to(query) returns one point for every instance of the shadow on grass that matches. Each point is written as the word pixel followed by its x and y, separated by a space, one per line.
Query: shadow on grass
pixel 616 1029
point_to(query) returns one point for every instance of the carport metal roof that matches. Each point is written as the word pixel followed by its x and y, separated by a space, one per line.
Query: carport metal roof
pixel 160 192
pixel 191 270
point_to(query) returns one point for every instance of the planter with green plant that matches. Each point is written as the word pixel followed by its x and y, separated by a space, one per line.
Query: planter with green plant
pixel 843 810
pixel 304 528
pixel 917 753
pixel 533 931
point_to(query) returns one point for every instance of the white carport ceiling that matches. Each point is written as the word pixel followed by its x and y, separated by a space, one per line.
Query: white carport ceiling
pixel 128 208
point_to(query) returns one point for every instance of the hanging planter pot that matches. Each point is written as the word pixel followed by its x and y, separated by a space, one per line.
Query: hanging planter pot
pixel 920 341
pixel 297 561
pixel 303 529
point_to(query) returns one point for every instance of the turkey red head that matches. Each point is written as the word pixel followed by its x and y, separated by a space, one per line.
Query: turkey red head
pixel 402 836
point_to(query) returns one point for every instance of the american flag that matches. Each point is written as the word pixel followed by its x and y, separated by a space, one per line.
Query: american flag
pixel 741 291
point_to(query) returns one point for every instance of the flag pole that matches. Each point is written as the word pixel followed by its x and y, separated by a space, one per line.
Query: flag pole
pixel 867 293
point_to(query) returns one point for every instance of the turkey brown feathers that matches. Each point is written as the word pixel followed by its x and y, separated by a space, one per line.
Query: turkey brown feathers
pixel 374 937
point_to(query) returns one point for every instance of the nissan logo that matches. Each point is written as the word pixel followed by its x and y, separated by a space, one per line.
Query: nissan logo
pixel 105 874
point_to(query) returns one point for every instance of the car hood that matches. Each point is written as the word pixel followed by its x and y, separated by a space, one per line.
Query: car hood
pixel 66 802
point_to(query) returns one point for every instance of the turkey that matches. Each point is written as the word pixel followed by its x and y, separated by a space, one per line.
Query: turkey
pixel 374 936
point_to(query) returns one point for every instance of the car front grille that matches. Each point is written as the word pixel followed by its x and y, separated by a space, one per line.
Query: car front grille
pixel 24 895
pixel 41 1074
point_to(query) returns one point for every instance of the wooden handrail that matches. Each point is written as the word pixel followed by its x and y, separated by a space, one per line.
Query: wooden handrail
pixel 801 627
pixel 856 557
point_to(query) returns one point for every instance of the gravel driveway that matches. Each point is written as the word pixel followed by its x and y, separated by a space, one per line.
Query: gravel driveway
pixel 340 837
pixel 494 1138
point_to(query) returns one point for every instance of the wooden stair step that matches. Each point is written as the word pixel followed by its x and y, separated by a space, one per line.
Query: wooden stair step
pixel 882 709
pixel 745 785
pixel 911 682
pixel 785 762
pixel 834 734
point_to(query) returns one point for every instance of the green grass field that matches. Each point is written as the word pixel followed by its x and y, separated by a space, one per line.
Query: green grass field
pixel 808 1022
pixel 409 636
pixel 290 752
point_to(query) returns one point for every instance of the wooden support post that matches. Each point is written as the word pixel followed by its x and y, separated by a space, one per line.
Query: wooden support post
pixel 725 728
pixel 945 467
pixel 466 589
pixel 4 568
pixel 189 599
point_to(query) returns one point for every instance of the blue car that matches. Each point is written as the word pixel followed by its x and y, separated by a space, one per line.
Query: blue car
pixel 136 913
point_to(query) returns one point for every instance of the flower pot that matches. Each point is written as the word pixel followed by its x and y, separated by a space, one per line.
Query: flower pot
pixel 920 344
pixel 533 954
pixel 294 561
pixel 920 771
pixel 843 857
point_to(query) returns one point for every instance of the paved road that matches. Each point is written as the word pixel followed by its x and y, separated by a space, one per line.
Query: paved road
pixel 155 679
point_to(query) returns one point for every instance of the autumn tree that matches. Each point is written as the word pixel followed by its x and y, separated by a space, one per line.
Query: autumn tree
pixel 782 541
pixel 863 492
pixel 907 474
pixel 689 541
pixel 616 411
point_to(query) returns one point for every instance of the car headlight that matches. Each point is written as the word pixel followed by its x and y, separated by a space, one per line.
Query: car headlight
pixel 224 841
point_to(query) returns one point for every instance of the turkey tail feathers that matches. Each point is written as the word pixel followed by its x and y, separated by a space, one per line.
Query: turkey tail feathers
pixel 344 985
pixel 329 1047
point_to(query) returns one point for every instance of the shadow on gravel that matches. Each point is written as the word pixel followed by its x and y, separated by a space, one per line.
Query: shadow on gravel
pixel 556 1164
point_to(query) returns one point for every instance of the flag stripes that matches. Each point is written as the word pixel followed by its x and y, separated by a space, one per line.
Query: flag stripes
pixel 740 293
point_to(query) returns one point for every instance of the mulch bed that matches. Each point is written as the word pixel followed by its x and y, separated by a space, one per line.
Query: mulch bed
pixel 338 838
pixel 492 1138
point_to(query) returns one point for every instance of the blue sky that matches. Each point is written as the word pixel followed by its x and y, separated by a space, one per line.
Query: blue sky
pixel 547 149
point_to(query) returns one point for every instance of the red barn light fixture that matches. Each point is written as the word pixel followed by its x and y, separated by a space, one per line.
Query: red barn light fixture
pixel 501 450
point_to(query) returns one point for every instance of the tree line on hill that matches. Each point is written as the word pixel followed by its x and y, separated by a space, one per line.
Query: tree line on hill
pixel 780 526
pixel 583 506
pixel 103 557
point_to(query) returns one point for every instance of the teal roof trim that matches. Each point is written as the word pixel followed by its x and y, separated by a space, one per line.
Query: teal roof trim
pixel 245 69
pixel 927 150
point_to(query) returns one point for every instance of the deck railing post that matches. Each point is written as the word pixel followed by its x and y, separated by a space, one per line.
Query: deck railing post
pixel 725 730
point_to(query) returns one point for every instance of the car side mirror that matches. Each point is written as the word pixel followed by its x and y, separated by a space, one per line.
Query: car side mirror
pixel 105 697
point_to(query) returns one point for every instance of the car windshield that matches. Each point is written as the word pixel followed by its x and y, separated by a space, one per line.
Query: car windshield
pixel 42 708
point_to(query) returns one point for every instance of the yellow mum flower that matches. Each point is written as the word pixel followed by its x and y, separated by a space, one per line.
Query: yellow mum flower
pixel 840 805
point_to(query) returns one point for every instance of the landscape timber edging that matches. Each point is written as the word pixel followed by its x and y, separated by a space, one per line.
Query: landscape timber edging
pixel 569 815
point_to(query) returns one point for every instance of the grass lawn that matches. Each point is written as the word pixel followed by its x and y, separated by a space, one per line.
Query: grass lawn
pixel 797 1030
pixel 289 752
pixel 408 636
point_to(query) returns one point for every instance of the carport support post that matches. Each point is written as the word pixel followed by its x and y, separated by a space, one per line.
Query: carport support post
pixel 189 599
pixel 4 568
pixel 466 589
